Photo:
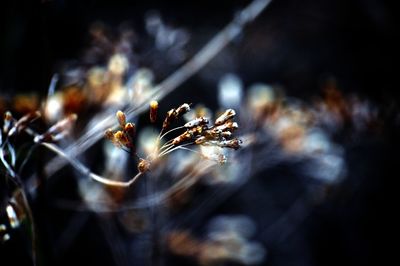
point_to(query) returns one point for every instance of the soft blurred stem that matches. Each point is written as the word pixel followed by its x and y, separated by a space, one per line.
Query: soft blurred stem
pixel 31 222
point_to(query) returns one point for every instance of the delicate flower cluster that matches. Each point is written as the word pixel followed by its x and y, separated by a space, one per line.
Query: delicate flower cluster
pixel 124 137
pixel 198 132
pixel 220 134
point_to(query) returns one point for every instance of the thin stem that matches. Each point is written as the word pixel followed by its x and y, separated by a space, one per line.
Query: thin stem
pixel 84 170
pixel 187 149
pixel 169 131
pixel 114 183
pixel 6 164
pixel 12 153
pixel 166 145
pixel 169 150
pixel 26 158
pixel 166 150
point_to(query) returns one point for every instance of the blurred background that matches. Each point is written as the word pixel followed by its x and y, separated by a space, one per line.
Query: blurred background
pixel 308 54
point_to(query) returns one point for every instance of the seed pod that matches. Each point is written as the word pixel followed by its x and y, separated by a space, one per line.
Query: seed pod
pixel 121 138
pixel 130 130
pixel 109 134
pixel 196 122
pixel 181 138
pixel 181 110
pixel 196 130
pixel 200 140
pixel 226 134
pixel 233 144
pixel 169 118
pixel 228 114
pixel 121 118
pixel 153 111
pixel 229 126
pixel 143 165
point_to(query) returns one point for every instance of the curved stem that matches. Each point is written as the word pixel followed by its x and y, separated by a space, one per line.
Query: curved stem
pixel 84 170
pixel 167 145
pixel 169 131
pixel 169 150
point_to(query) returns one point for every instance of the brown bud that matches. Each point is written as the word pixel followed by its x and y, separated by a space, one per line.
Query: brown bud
pixel 233 143
pixel 228 114
pixel 143 165
pixel 181 110
pixel 196 122
pixel 130 130
pixel 121 118
pixel 181 138
pixel 200 140
pixel 153 111
pixel 169 118
pixel 228 126
pixel 109 134
pixel 121 138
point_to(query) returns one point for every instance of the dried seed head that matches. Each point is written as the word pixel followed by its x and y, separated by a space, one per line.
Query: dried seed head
pixel 228 114
pixel 121 118
pixel 143 165
pixel 196 122
pixel 153 111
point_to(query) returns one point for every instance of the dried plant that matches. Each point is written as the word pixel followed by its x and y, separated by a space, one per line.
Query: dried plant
pixel 198 159
pixel 197 132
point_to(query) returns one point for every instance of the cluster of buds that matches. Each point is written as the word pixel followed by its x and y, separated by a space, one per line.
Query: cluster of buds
pixel 124 137
pixel 174 114
pixel 197 132
pixel 219 134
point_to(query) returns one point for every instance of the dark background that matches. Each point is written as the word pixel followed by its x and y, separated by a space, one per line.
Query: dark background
pixel 296 44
